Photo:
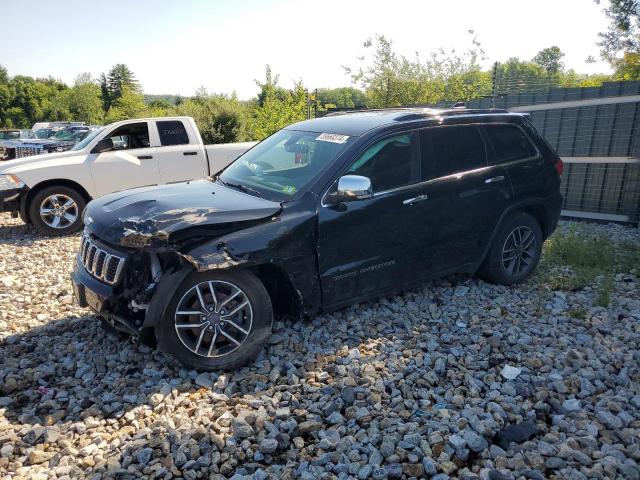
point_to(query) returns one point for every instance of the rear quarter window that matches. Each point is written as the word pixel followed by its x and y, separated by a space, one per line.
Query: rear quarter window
pixel 172 132
pixel 509 143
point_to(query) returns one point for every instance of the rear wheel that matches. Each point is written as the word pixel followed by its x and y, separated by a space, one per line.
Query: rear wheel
pixel 515 251
pixel 57 210
pixel 216 320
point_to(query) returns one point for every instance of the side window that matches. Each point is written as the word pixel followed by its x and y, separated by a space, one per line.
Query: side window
pixel 509 143
pixel 449 150
pixel 134 135
pixel 389 163
pixel 172 132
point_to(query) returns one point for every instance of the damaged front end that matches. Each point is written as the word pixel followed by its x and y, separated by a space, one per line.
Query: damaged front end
pixel 140 245
pixel 130 288
pixel 118 284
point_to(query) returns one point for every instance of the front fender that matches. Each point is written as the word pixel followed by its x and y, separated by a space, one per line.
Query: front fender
pixel 287 242
pixel 53 166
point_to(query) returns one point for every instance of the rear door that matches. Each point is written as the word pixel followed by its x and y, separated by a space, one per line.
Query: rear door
pixel 179 152
pixel 132 162
pixel 510 147
pixel 465 197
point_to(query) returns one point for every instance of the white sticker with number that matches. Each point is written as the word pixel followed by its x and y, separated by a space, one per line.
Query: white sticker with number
pixel 333 138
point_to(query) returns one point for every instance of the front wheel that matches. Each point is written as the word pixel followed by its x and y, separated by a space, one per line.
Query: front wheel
pixel 515 251
pixel 216 320
pixel 57 210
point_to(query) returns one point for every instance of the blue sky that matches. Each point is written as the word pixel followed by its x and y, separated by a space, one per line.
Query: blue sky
pixel 178 46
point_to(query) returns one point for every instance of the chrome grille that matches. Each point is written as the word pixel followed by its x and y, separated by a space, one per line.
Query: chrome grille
pixel 103 265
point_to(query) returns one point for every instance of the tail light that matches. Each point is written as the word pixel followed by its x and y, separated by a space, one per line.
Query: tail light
pixel 559 166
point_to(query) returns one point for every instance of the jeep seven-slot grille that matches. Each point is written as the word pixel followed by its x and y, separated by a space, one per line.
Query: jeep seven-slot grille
pixel 103 265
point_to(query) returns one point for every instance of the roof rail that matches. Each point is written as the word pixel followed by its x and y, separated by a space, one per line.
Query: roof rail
pixel 360 110
pixel 420 112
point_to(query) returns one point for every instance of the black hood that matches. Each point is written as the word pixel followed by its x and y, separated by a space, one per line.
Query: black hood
pixel 150 215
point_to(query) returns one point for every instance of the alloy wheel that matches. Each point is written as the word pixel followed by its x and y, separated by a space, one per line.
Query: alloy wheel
pixel 58 211
pixel 213 318
pixel 519 250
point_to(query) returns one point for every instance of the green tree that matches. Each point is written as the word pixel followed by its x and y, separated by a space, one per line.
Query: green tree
pixel 36 99
pixel 84 100
pixel 517 75
pixel 623 34
pixel 277 107
pixel 344 97
pixel 391 80
pixel 550 59
pixel 4 76
pixel 628 67
pixel 220 118
pixel 5 95
pixel 116 82
pixel 130 104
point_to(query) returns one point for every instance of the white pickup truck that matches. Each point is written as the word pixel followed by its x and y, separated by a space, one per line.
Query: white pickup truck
pixel 51 191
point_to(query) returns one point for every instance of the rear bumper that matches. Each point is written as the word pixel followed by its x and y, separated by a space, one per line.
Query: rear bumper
pixel 553 214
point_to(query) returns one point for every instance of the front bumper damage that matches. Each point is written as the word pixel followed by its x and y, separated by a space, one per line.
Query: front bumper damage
pixel 10 200
pixel 137 298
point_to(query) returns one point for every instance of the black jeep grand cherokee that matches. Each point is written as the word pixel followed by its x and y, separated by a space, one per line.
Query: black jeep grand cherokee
pixel 322 214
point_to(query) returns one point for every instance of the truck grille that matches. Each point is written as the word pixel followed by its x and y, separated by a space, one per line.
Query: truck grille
pixel 29 151
pixel 103 265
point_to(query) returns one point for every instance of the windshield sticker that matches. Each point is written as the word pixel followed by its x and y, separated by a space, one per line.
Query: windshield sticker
pixel 333 138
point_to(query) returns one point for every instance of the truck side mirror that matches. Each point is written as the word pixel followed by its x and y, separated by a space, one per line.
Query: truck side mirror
pixel 104 145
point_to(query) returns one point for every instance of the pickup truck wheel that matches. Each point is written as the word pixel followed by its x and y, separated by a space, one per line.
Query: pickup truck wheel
pixel 57 210
pixel 216 320
pixel 515 251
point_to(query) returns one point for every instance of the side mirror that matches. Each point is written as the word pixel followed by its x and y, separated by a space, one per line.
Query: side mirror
pixel 352 187
pixel 104 145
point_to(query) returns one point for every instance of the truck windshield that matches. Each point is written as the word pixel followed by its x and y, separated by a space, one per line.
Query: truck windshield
pixel 86 140
pixel 284 163
pixel 9 135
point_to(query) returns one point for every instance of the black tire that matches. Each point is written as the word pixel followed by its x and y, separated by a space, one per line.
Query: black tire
pixel 509 272
pixel 45 224
pixel 259 329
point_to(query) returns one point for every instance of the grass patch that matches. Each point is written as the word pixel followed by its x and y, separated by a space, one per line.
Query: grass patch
pixel 579 313
pixel 574 259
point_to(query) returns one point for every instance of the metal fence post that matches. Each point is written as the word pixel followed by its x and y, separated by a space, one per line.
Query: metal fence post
pixel 494 81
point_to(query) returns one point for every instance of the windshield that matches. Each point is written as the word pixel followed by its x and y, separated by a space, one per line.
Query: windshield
pixel 9 135
pixel 86 141
pixel 287 161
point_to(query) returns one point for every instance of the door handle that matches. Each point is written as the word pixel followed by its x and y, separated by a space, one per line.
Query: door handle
pixel 189 153
pixel 494 179
pixel 145 157
pixel 411 201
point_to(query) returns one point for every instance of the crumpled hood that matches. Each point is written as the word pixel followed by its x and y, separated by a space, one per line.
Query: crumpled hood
pixel 149 215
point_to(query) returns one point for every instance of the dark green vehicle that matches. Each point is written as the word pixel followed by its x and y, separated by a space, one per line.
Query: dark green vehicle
pixel 322 214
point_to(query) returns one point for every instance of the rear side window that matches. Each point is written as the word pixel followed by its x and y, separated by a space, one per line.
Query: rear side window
pixel 449 150
pixel 172 132
pixel 509 143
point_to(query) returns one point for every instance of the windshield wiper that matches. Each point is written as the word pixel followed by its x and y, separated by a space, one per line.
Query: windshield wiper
pixel 240 187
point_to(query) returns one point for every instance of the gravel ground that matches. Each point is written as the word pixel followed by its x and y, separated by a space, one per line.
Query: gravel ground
pixel 460 379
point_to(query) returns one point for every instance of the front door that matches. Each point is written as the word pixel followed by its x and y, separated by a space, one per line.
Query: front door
pixel 364 245
pixel 131 163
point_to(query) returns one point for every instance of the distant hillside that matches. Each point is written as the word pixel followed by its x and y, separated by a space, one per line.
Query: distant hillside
pixel 172 99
